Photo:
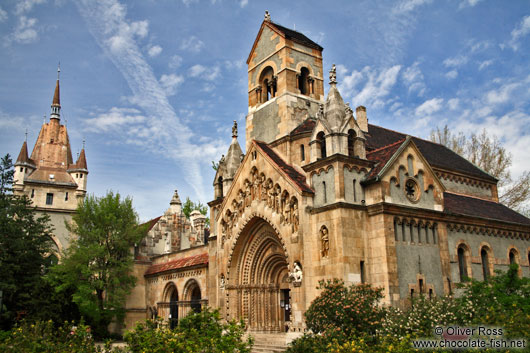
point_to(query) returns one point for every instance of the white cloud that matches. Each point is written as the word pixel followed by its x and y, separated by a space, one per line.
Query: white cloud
pixel 414 79
pixel 455 61
pixel 468 3
pixel 189 2
pixel 162 132
pixel 501 95
pixel 377 85
pixel 155 50
pixel 429 107
pixel 453 103
pixel 209 74
pixel 175 62
pixel 243 3
pixel 25 31
pixel 452 74
pixel 24 6
pixel 520 31
pixel 484 64
pixel 3 15
pixel 170 83
pixel 115 118
pixel 409 5
pixel 192 44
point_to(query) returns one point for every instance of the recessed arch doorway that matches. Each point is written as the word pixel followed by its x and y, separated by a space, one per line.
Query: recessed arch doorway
pixel 257 289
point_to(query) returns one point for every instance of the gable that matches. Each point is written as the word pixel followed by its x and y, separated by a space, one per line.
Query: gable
pixel 408 179
pixel 265 43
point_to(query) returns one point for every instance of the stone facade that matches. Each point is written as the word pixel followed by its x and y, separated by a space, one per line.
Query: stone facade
pixel 322 194
pixel 49 178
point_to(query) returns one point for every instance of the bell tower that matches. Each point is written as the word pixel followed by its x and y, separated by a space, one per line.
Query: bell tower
pixel 285 81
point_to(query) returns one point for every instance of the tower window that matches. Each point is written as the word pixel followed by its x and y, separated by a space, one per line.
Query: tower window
pixel 302 152
pixel 32 193
pixel 303 81
pixel 324 190
pixel 21 169
pixel 66 196
pixel 363 276
pixel 49 199
pixel 351 141
pixel 512 257
pixel 322 142
pixel 268 84
pixel 354 191
pixel 81 176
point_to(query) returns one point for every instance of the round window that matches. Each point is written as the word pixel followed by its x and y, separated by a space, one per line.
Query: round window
pixel 412 191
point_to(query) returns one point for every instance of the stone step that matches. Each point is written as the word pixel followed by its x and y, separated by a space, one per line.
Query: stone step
pixel 257 348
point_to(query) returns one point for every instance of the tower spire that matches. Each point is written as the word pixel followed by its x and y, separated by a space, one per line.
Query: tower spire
pixel 333 75
pixel 56 103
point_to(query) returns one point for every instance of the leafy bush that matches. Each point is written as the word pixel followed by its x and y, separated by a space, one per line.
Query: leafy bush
pixel 197 332
pixel 424 314
pixel 346 310
pixel 43 336
pixel 502 301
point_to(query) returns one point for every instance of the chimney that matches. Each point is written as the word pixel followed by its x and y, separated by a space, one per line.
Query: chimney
pixel 362 120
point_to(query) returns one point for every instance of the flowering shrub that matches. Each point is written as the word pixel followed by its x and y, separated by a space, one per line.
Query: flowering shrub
pixel 197 332
pixel 424 314
pixel 43 336
pixel 345 310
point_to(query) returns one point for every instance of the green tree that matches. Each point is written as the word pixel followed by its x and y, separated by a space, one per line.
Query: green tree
pixel 25 243
pixel 99 261
pixel 488 154
pixel 190 206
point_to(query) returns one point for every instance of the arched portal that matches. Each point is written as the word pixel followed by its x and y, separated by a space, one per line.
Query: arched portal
pixel 257 284
pixel 171 298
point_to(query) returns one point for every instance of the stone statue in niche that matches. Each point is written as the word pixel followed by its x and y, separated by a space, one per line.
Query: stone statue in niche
pixel 240 201
pixel 229 224
pixel 286 211
pixel 254 194
pixel 248 197
pixel 294 216
pixel 277 193
pixel 222 282
pixel 296 275
pixel 270 194
pixel 263 188
pixel 223 240
pixel 324 240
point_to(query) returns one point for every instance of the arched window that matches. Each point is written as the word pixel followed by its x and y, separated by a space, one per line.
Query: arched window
pixel 302 152
pixel 303 83
pixel 268 84
pixel 196 299
pixel 322 142
pixel 513 256
pixel 485 263
pixel 351 142
pixel 173 309
pixel 462 265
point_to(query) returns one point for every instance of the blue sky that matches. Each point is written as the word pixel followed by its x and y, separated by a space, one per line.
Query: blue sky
pixel 153 86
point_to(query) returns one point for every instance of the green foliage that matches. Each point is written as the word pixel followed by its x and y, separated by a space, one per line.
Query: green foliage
pixel 190 206
pixel 25 243
pixel 197 332
pixel 424 314
pixel 502 301
pixel 97 267
pixel 43 336
pixel 346 310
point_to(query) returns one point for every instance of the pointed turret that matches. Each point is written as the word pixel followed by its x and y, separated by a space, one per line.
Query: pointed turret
pixel 23 166
pixel 56 103
pixel 23 155
pixel 335 109
pixel 175 205
pixel 228 165
pixel 81 161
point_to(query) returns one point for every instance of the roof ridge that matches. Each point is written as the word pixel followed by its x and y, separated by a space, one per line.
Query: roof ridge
pixel 472 197
pixel 387 146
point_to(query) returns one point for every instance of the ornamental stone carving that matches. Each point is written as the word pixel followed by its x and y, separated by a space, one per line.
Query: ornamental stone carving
pixel 324 241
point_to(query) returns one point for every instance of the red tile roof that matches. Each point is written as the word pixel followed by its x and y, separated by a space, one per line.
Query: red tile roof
pixel 201 259
pixel 381 156
pixel 471 206
pixel 306 126
pixel 297 177
pixel 151 223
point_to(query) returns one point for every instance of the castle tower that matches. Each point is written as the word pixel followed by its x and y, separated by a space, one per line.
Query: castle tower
pixel 285 81
pixel 50 178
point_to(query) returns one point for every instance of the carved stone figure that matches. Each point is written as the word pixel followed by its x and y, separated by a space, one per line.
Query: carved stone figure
pixel 222 282
pixel 324 240
pixel 286 210
pixel 248 192
pixel 296 275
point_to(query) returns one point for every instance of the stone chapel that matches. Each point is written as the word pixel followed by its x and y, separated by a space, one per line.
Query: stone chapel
pixel 319 194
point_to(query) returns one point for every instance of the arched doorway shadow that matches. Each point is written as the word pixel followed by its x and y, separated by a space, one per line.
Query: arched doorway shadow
pixel 257 286
pixel 171 299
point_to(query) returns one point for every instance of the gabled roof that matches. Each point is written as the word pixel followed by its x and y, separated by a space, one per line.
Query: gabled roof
pixel 437 155
pixel 381 156
pixel 294 175
pixel 297 37
pixel 471 206
pixel 287 34
pixel 151 223
pixel 306 126
pixel 201 259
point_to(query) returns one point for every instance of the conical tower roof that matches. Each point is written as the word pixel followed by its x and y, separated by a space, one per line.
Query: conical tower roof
pixel 234 155
pixel 335 109
pixel 23 155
